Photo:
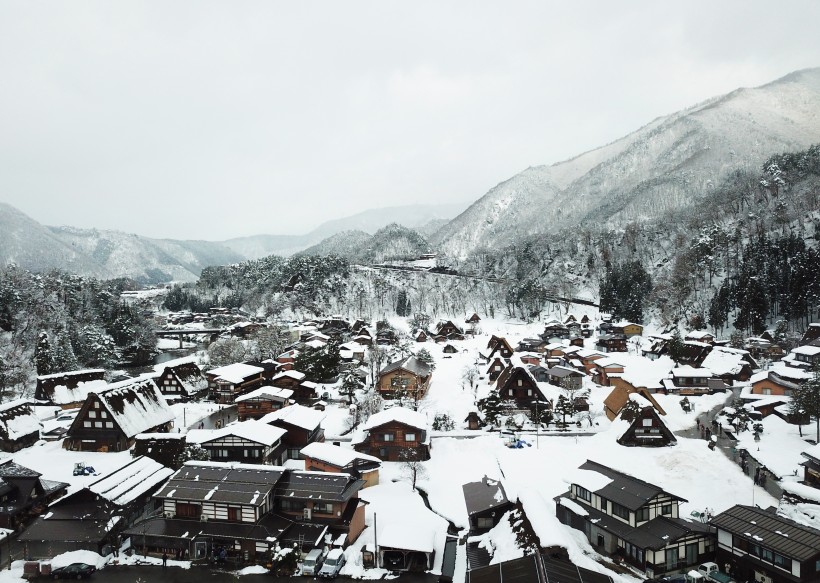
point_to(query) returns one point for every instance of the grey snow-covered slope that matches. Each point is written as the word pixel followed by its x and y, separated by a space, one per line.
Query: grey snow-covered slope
pixel 103 254
pixel 667 165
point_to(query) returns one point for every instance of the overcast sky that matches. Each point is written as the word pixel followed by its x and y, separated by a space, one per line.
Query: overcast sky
pixel 214 120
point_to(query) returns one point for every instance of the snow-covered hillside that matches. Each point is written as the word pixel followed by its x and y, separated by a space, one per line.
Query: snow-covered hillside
pixel 668 164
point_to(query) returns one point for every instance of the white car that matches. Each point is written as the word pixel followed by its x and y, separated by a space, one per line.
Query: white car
pixel 334 561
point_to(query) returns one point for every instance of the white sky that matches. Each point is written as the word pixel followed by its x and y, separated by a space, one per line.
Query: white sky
pixel 214 120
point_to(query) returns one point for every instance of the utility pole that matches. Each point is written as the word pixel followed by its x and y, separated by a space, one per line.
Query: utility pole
pixel 375 543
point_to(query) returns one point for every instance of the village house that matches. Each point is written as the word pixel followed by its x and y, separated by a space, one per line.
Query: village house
pixel 420 336
pixel 111 419
pixel 619 513
pixel 227 382
pixel 302 424
pixel 588 358
pixel 68 390
pixel 260 402
pixel 351 351
pixel 325 457
pixel 688 381
pixel 694 353
pixel 611 343
pixel 449 349
pixel 628 329
pixel 396 434
pixel 731 365
pixel 91 518
pixel 501 348
pixel 517 384
pixel 760 545
pixel 811 334
pixel 536 344
pixel 486 502
pixel 620 396
pixel 24 494
pixel 805 357
pixel 647 429
pixel 408 376
pixel 656 347
pixel 554 330
pixel 286 359
pixel 497 366
pixel 563 376
pixel 182 382
pixel 781 381
pixel 19 426
pixel 605 370
pixel 700 336
pixel 252 442
pixel 446 330
pixel 811 467
pixel 303 391
pixel 164 448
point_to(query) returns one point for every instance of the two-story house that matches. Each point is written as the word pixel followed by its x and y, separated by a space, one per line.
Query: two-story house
pixel 110 420
pixel 759 545
pixel 294 380
pixel 251 442
pixel 225 383
pixel 621 514
pixel 486 502
pixel 408 376
pixel 19 426
pixel 325 457
pixel 69 389
pixel 393 435
pixel 688 380
pixel 302 424
pixel 24 495
pixel 182 382
pixel 517 384
pixel 260 402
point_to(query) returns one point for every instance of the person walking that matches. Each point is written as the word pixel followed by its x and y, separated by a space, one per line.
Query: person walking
pixel 164 559
pixel 757 475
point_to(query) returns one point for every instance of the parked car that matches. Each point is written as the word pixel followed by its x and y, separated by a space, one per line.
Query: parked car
pixel 74 571
pixel 712 572
pixel 313 562
pixel 334 561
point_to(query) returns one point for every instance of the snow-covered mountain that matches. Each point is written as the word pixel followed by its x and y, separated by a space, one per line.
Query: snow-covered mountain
pixel 669 164
pixel 104 254
pixel 388 243
pixel 369 221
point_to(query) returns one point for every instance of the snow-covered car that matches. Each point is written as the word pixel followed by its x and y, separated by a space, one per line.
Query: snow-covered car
pixel 313 562
pixel 334 561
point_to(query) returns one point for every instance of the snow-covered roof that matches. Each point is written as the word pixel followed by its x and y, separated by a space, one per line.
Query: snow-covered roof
pixel 62 395
pixel 131 481
pixel 587 479
pixel 409 535
pixel 251 430
pixel 18 420
pixel 136 405
pixel 410 364
pixel 236 373
pixel 58 375
pixel 291 374
pixel 334 454
pixel 722 361
pixel 398 414
pixel 699 334
pixel 298 415
pixel 273 393
pixel 807 350
pixel 690 371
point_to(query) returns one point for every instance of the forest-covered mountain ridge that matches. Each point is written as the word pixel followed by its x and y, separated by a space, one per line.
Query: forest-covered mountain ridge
pixel 670 164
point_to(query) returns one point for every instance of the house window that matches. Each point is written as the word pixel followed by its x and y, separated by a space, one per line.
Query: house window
pixel 92 414
pixel 221 452
pixel 96 404
pixel 325 508
pixel 98 424
pixel 511 393
pixel 529 392
pixel 388 437
pixel 620 511
pixel 188 510
pixel 767 391
pixel 109 425
pixel 604 506
pixel 583 493
pixel 783 562
pixel 86 423
pixel 643 514
pixel 484 523
pixel 382 452
pixel 520 382
pixel 647 422
pixel 666 509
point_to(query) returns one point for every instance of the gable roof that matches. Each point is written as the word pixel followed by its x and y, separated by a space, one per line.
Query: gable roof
pixel 250 430
pixel 626 490
pixel 410 364
pixel 135 405
pixel 335 455
pixel 399 415
pixel 297 415
pixel 18 420
pixel 247 484
pixel 132 480
pixel 235 373
pixel 329 486
pixel 272 393
pixel 780 534
pixel 189 375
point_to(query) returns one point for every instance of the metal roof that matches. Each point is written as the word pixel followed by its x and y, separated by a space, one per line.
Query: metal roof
pixel 624 489
pixel 766 528
pixel 318 486
pixel 483 495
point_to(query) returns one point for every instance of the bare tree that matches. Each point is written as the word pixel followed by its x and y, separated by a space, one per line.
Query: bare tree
pixel 412 469
pixel 470 375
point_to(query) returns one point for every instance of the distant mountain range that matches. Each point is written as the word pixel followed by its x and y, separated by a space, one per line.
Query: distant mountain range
pixel 669 164
pixel 107 254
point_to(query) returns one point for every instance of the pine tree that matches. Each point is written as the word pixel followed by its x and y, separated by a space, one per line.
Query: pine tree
pixel 43 358
pixel 424 356
pixel 492 406
pixel 806 399
pixel 564 407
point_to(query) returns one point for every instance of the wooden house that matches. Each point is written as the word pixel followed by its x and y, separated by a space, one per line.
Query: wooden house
pixel 473 319
pixel 534 344
pixel 286 359
pixel 408 376
pixel 182 382
pixel 628 329
pixel 700 336
pixel 111 419
pixel 260 402
pixel 588 358
pixel 604 369
pixel 554 330
pixel 324 457
pixel 250 442
pixel 92 517
pixel 615 401
pixel 760 545
pixel 303 426
pixel 647 429
pixel 486 502
pixel 446 330
pixel 620 513
pixel 474 420
pixel 303 391
pixel 501 348
pixel 68 389
pixel 396 434
pixel 811 334
pixel 811 467
pixel 24 494
pixel 420 336
pixel 517 384
pixel 688 381
pixel 780 381
pixel 227 382
pixel 19 426
pixel 164 448
pixel 731 365
pixel 449 349
pixel 611 343
pixel 497 366
pixel 565 377
pixel 806 356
